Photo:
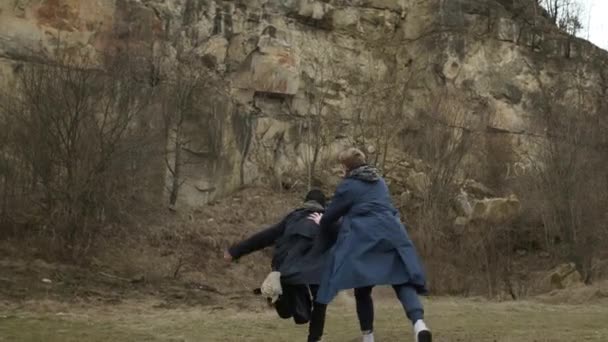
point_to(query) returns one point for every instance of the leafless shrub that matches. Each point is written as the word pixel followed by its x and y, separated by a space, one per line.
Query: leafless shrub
pixel 190 93
pixel 319 123
pixel 73 131
pixel 570 184
pixel 566 14
pixel 447 134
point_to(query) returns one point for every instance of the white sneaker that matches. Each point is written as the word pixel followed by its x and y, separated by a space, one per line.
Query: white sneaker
pixel 422 332
pixel 368 337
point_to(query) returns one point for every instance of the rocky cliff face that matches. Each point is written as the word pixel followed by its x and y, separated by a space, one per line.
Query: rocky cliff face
pixel 287 61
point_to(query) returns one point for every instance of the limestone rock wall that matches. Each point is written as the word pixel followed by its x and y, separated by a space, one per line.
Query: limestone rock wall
pixel 279 55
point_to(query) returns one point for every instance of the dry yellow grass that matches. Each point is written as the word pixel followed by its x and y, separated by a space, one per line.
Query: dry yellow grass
pixel 452 320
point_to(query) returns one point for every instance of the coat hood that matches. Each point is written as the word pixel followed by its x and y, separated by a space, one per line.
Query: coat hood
pixel 313 206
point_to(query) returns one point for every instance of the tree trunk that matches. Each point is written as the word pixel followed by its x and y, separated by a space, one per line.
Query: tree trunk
pixel 313 164
pixel 177 163
pixel 246 147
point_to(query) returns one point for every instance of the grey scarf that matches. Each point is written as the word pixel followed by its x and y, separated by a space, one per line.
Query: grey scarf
pixel 365 173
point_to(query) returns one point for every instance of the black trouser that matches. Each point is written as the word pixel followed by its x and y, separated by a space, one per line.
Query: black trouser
pixel 298 302
pixel 317 319
pixel 365 305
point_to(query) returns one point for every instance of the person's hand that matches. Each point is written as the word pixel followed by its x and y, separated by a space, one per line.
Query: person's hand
pixel 316 217
pixel 227 256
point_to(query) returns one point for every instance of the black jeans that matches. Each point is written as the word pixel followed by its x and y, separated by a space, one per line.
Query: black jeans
pixel 406 294
pixel 317 319
pixel 298 302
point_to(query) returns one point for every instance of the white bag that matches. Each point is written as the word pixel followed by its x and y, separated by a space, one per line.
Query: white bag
pixel 271 287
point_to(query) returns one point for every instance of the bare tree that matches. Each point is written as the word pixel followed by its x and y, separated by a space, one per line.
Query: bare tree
pixel 189 93
pixel 319 124
pixel 566 14
pixel 70 126
pixel 556 9
pixel 448 130
pixel 447 133
pixel 571 172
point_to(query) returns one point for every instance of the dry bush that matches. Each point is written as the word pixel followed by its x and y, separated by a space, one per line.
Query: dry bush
pixel 319 124
pixel 566 14
pixel 191 93
pixel 570 180
pixel 78 138
pixel 564 185
pixel 447 135
pixel 380 113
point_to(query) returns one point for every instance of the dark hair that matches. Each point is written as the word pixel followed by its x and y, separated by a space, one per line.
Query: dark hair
pixel 317 196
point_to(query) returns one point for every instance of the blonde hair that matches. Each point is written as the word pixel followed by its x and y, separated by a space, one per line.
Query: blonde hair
pixel 352 158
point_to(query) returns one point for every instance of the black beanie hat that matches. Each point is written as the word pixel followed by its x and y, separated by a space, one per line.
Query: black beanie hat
pixel 317 196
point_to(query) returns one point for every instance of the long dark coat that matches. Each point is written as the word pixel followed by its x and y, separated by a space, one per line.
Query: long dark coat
pixel 300 249
pixel 372 246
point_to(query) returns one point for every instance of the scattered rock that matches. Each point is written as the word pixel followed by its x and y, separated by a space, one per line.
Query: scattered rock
pixel 564 276
pixel 214 51
pixel 47 281
pixel 496 210
pixel 313 9
pixel 477 189
pixel 463 206
pixel 404 164
pixel 507 30
pixel 419 165
pixel 460 222
pixel 405 198
pixel 346 18
pixel 138 279
pixel 274 67
pixel 419 182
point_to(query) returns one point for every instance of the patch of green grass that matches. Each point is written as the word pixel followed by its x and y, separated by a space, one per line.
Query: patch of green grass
pixel 451 319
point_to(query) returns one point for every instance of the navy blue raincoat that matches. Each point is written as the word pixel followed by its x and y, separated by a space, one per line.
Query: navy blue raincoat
pixel 372 246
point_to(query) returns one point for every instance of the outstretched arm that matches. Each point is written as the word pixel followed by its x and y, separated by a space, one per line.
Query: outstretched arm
pixel 260 240
pixel 340 204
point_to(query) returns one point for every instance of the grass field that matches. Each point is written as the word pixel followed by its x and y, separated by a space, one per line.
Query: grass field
pixel 451 319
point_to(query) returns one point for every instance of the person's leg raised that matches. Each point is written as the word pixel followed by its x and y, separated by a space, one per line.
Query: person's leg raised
pixel 414 310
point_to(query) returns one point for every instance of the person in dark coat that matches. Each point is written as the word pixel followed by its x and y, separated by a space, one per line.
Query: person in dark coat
pixel 372 247
pixel 299 254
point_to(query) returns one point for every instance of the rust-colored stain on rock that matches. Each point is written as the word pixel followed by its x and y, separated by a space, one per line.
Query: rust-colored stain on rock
pixel 286 58
pixel 59 14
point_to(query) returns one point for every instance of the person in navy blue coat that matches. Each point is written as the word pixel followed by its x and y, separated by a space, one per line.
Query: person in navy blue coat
pixel 372 247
